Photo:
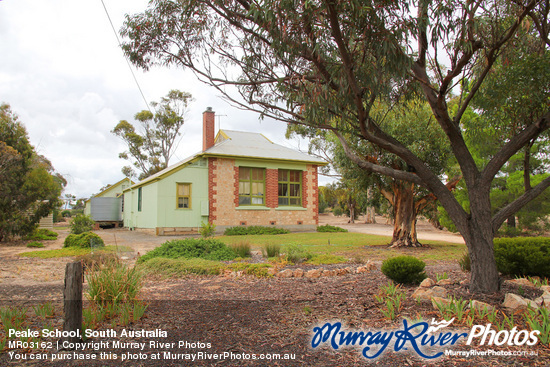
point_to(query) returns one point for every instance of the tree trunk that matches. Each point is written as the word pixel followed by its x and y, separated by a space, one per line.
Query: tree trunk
pixel 511 221
pixel 404 229
pixel 369 215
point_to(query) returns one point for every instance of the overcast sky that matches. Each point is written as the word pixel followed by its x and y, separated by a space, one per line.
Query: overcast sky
pixel 63 73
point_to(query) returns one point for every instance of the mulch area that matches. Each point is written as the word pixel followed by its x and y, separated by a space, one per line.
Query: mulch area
pixel 248 315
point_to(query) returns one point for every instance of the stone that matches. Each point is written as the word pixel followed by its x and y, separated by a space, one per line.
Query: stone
pixel 513 302
pixel 272 271
pixel 341 271
pixel 314 273
pixel 362 269
pixel 481 306
pixel 370 266
pixel 427 283
pixel 422 294
pixel 520 282
pixel 545 288
pixel 350 270
pixel 328 273
pixel 298 273
pixel 445 282
pixel 544 300
pixel 439 300
pixel 287 273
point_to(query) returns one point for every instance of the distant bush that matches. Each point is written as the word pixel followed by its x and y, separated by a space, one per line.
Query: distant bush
pixel 81 223
pixel 523 256
pixel 329 228
pixel 271 250
pixel 35 244
pixel 297 254
pixel 253 230
pixel 404 269
pixel 66 213
pixel 83 240
pixel 242 249
pixel 337 211
pixel 208 249
pixel 42 234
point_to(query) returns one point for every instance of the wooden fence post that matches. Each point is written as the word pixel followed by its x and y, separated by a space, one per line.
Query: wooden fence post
pixel 72 298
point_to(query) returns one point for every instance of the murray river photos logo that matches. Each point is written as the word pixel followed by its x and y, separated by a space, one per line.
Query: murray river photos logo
pixel 424 339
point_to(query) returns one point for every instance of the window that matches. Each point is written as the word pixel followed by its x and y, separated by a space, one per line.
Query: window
pixel 290 187
pixel 184 195
pixel 139 199
pixel 251 186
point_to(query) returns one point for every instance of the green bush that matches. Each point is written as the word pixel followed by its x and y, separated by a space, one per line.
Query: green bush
pixel 42 234
pixel 35 244
pixel 271 250
pixel 178 267
pixel 297 253
pixel 83 240
pixel 82 223
pixel 66 213
pixel 207 229
pixel 329 228
pixel 523 256
pixel 404 269
pixel 113 284
pixel 242 249
pixel 208 249
pixel 253 230
pixel 337 211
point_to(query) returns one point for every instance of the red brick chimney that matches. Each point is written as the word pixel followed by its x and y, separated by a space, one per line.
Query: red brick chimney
pixel 208 127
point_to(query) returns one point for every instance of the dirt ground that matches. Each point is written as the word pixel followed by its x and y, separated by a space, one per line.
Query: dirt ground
pixel 245 315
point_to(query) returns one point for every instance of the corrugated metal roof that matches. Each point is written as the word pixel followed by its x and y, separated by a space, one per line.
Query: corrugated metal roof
pixel 254 145
pixel 240 144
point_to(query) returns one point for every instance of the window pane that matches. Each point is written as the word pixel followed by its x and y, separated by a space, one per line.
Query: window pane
pixel 295 176
pixel 257 188
pixel 186 202
pixel 257 200
pixel 180 202
pixel 244 200
pixel 244 174
pixel 244 188
pixel 283 201
pixel 257 174
pixel 283 189
pixel 294 189
pixel 186 189
pixel 294 201
pixel 283 175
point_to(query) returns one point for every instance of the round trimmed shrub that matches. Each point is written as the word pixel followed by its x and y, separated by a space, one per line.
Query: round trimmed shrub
pixel 84 240
pixel 404 269
pixel 81 223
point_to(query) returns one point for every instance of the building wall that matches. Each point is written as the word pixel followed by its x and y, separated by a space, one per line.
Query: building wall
pixel 224 208
pixel 112 192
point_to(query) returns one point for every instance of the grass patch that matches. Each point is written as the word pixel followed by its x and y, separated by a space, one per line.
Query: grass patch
pixel 242 249
pixel 353 245
pixel 35 244
pixel 42 234
pixel 66 252
pixel 325 259
pixel 258 270
pixel 178 267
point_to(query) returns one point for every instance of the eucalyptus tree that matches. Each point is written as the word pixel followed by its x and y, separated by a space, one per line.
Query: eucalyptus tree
pixel 326 63
pixel 152 143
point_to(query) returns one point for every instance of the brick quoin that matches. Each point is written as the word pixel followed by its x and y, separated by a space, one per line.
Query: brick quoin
pixel 272 188
pixel 236 185
pixel 315 189
pixel 212 189
pixel 304 188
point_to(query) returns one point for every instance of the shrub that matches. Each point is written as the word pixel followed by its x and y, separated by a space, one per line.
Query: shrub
pixel 404 269
pixel 82 223
pixel 96 259
pixel 35 244
pixel 271 250
pixel 66 213
pixel 242 249
pixel 329 228
pixel 42 234
pixel 297 254
pixel 337 211
pixel 253 230
pixel 113 284
pixel 84 240
pixel 258 270
pixel 523 256
pixel 208 249
pixel 207 229
pixel 464 262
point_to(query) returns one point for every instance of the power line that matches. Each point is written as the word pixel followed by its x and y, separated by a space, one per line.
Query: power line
pixel 125 58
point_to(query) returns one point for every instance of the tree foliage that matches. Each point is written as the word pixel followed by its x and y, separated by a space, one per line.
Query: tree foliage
pixel 29 187
pixel 152 144
pixel 325 64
